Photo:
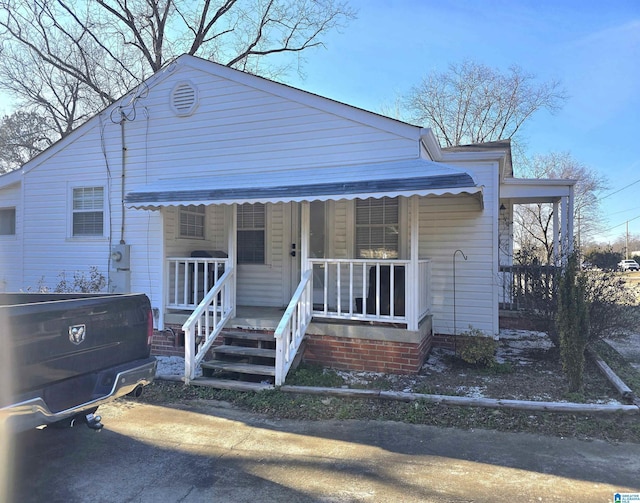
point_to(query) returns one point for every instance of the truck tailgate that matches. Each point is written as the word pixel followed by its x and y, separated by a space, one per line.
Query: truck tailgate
pixel 54 342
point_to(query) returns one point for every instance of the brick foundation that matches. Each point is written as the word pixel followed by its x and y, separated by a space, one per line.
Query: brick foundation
pixel 366 354
pixel 168 343
pixel 342 353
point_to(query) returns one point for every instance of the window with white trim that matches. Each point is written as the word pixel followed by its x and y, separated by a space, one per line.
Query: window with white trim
pixel 192 221
pixel 7 221
pixel 88 211
pixel 251 233
pixel 377 224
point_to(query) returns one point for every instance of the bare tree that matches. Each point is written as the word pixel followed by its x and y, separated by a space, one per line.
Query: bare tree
pixel 533 222
pixel 22 135
pixel 67 59
pixel 472 103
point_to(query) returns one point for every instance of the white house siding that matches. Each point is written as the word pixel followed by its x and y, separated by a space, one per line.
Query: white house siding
pixel 11 246
pixel 239 129
pixel 235 129
pixel 49 247
pixel 455 223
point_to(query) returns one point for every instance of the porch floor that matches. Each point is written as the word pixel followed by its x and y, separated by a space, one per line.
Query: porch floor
pixel 249 317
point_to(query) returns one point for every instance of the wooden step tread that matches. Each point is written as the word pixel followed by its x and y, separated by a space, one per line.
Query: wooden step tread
pixel 245 351
pixel 249 336
pixel 242 368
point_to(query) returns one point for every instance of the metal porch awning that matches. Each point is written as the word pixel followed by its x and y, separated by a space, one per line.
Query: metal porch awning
pixel 416 177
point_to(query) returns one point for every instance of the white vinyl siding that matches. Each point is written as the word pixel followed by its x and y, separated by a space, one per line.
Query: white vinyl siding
pixel 450 223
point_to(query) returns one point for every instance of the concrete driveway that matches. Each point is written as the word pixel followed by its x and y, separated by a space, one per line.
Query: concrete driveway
pixel 213 453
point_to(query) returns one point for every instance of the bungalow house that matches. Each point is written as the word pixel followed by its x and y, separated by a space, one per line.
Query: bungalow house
pixel 265 222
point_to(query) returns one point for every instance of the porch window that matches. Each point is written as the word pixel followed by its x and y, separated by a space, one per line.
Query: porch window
pixel 192 221
pixel 7 221
pixel 88 211
pixel 251 233
pixel 377 228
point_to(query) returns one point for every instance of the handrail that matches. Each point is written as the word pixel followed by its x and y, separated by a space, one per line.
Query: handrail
pixel 206 322
pixel 292 327
pixel 190 278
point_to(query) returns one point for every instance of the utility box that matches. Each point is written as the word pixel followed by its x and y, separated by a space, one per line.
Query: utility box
pixel 120 269
pixel 120 257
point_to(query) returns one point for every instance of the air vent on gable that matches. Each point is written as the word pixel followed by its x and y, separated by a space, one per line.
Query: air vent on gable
pixel 184 98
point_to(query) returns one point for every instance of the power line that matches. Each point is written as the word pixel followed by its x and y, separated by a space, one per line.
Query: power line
pixel 625 222
pixel 620 190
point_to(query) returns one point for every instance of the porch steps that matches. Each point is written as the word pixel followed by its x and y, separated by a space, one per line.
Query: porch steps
pixel 246 358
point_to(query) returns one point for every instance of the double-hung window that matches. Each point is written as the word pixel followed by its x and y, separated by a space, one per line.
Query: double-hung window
pixel 251 233
pixel 88 211
pixel 192 221
pixel 377 228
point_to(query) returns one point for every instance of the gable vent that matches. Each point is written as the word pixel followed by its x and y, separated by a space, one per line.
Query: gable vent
pixel 184 99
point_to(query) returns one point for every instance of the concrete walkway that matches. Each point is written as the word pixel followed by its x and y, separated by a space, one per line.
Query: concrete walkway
pixel 210 452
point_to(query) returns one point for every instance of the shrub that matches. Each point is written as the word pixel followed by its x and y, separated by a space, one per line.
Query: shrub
pixel 572 322
pixel 95 283
pixel 613 308
pixel 477 348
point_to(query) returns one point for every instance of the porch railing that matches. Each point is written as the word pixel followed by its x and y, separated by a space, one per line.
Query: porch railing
pixel 207 321
pixel 191 278
pixel 376 290
pixel 292 327
pixel 526 287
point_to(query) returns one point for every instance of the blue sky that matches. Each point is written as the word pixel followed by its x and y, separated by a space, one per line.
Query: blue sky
pixel 592 47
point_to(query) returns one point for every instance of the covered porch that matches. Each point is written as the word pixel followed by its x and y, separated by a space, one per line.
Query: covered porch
pixel 313 271
pixel 520 283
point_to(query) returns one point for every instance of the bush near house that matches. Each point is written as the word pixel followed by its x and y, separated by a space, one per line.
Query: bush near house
pixel 572 322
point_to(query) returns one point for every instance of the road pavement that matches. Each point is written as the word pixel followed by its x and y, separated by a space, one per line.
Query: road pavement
pixel 211 452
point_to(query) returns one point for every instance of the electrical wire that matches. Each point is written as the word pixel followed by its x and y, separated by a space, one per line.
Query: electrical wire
pixel 620 190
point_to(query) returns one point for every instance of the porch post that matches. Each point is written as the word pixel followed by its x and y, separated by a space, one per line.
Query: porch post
pixel 232 246
pixel 556 234
pixel 413 280
pixel 570 210
pixel 564 224
pixel 305 236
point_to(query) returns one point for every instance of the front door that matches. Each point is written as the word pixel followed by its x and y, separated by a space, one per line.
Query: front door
pixel 268 242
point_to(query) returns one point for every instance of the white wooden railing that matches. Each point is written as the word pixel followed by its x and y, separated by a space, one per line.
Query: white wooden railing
pixel 372 290
pixel 207 321
pixel 292 327
pixel 191 278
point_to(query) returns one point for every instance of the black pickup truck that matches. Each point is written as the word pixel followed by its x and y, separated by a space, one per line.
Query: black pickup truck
pixel 63 355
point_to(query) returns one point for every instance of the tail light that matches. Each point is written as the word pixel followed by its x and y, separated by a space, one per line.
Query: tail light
pixel 149 327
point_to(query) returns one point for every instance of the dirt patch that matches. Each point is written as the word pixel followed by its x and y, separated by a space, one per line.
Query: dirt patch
pixel 527 368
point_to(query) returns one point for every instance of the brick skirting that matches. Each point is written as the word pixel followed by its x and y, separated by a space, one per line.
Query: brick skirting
pixel 367 355
pixel 169 342
pixel 342 353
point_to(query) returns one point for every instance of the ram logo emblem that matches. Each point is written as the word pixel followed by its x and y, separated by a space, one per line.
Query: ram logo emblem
pixel 77 334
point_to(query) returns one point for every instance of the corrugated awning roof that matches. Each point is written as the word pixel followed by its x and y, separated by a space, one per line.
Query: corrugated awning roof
pixel 417 177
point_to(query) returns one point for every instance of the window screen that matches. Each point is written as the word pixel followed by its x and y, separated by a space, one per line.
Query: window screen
pixel 192 221
pixel 377 228
pixel 88 211
pixel 251 233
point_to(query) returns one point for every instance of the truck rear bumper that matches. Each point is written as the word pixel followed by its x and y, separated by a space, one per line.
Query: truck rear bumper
pixel 35 411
